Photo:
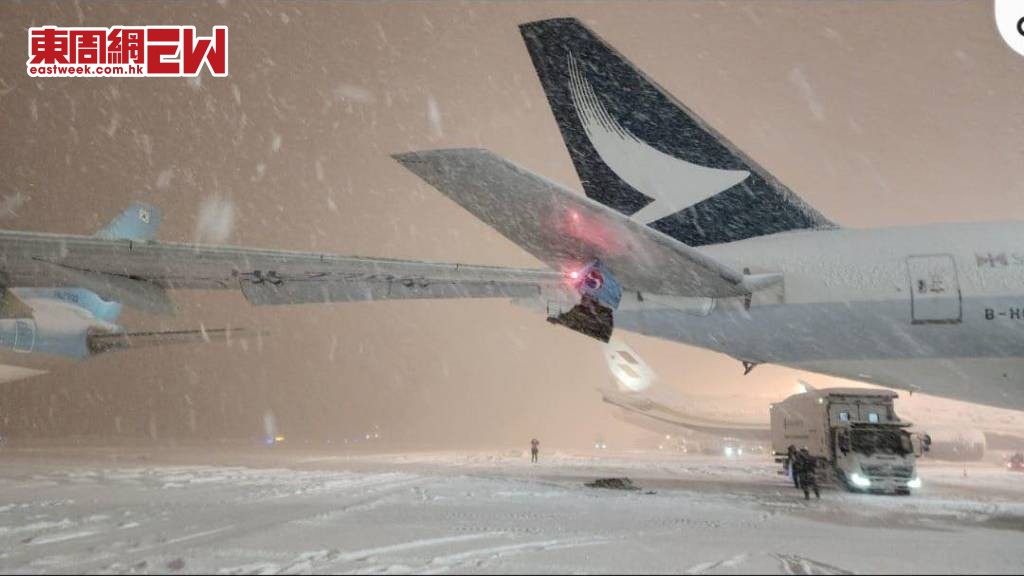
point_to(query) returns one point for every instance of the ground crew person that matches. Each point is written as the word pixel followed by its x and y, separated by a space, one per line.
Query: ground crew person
pixel 791 454
pixel 805 466
pixel 534 450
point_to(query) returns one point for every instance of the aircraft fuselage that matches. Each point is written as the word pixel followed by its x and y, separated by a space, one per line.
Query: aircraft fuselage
pixel 936 308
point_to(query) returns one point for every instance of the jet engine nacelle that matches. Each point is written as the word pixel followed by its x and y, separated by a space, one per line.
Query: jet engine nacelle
pixel 29 335
pixel 18 334
pixel 600 294
pixel 71 339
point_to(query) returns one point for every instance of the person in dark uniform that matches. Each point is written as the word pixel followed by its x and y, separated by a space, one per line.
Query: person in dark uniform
pixel 805 468
pixel 791 453
pixel 534 450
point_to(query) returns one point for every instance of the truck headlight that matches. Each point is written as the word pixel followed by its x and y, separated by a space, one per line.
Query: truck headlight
pixel 915 483
pixel 859 481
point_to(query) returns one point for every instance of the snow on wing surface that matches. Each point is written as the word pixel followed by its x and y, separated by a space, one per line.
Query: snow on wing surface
pixel 364 279
pixel 564 230
pixel 144 269
pixel 567 230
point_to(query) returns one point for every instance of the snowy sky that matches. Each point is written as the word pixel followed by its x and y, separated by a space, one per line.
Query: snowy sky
pixel 878 114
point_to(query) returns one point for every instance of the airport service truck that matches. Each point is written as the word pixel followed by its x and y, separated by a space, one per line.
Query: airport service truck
pixel 853 434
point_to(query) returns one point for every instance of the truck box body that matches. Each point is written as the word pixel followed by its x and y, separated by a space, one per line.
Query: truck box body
pixel 806 420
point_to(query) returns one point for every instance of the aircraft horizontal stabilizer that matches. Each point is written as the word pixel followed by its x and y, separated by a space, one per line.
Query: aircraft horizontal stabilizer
pixel 567 231
pixel 636 404
pixel 636 392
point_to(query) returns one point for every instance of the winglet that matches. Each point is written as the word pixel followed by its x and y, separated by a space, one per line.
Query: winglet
pixel 139 222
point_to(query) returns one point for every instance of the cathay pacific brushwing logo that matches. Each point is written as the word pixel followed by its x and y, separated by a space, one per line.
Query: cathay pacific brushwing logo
pixel 672 183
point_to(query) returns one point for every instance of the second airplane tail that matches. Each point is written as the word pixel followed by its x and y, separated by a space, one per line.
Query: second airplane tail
pixel 138 222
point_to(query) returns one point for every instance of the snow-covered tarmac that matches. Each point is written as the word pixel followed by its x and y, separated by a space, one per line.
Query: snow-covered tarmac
pixel 136 511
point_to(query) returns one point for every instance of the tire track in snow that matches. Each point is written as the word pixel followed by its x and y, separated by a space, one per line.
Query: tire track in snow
pixel 340 558
pixel 371 490
pixel 793 564
pixel 706 567
pixel 60 537
pixel 493 553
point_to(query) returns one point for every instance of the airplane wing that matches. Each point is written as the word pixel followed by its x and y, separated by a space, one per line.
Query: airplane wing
pixel 566 230
pixel 139 273
pixel 563 229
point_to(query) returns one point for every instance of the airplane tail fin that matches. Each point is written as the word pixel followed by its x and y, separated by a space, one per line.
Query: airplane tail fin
pixel 138 222
pixel 641 152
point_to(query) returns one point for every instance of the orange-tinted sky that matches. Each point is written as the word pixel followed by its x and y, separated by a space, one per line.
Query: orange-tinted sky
pixel 877 113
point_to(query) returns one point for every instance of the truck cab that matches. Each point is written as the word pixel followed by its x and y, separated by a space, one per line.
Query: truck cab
pixel 876 458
